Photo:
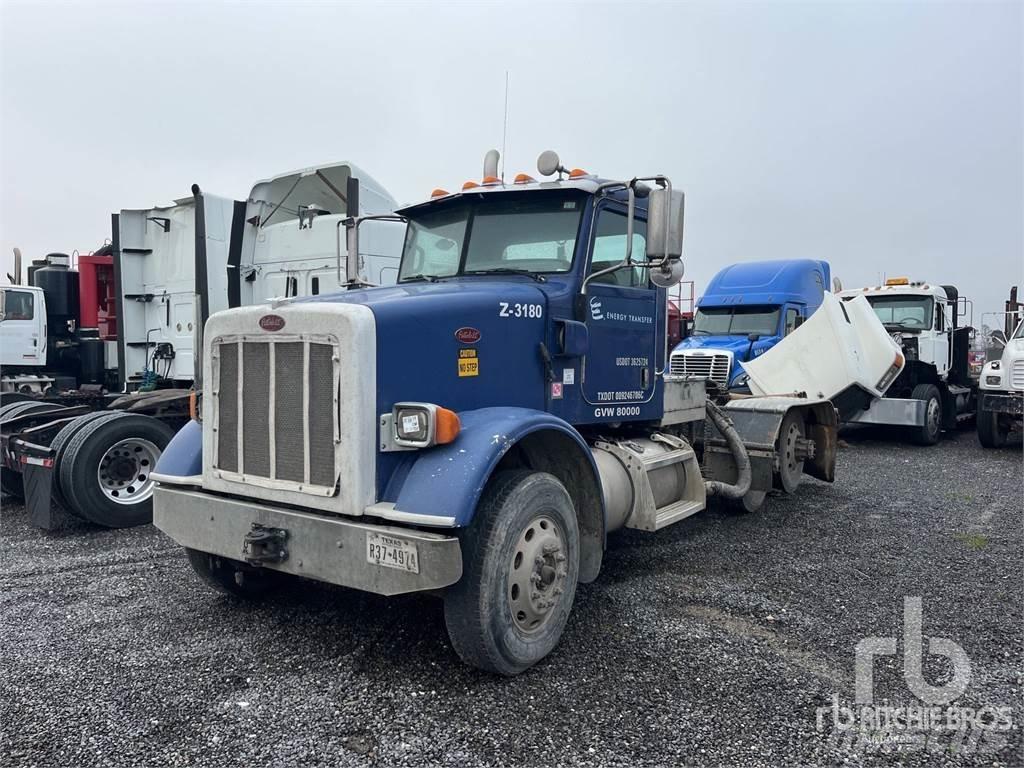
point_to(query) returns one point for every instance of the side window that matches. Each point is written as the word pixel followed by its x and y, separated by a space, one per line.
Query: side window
pixel 610 249
pixel 19 305
pixel 940 316
pixel 792 320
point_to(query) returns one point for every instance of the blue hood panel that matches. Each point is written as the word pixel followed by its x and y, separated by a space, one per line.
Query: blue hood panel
pixel 418 352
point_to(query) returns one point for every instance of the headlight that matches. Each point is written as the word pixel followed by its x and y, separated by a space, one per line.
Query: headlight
pixel 421 425
pixel 993 380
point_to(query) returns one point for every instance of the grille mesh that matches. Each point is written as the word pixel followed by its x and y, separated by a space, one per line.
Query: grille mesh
pixel 701 365
pixel 288 412
pixel 255 426
pixel 321 402
pixel 283 454
pixel 227 437
pixel 1017 377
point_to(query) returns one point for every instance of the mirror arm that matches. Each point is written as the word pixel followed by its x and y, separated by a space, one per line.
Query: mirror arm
pixel 353 223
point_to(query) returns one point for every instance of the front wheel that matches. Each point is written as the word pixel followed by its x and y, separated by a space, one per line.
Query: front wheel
pixel 991 432
pixel 521 565
pixel 232 577
pixel 931 430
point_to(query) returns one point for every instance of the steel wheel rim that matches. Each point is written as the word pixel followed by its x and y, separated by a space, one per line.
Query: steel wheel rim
pixel 537 573
pixel 933 416
pixel 124 471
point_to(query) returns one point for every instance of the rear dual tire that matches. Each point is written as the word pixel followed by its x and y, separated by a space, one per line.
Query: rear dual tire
pixel 104 461
pixel 520 570
pixel 11 480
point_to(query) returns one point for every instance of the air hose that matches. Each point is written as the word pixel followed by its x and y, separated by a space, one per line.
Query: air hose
pixel 739 455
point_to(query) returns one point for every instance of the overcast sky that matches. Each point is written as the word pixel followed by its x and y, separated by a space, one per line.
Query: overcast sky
pixel 883 137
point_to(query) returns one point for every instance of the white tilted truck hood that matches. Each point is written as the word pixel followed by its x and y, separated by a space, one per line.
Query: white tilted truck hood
pixel 842 344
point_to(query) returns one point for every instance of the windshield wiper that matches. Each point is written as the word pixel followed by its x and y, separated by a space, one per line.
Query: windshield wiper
pixel 411 278
pixel 507 271
pixel 700 330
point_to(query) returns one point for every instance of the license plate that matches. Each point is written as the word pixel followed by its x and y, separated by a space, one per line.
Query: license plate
pixel 391 552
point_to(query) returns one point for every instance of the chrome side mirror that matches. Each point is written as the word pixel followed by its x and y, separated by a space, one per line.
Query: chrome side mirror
pixel 665 209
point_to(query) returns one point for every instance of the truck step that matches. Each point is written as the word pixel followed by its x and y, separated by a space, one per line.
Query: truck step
pixel 673 513
pixel 687 497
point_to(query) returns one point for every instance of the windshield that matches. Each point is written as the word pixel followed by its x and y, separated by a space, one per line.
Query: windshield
pixel 493 233
pixel 1019 333
pixel 736 321
pixel 912 313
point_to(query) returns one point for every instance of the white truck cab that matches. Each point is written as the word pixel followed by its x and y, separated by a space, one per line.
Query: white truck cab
pixel 934 391
pixel 22 326
pixel 1001 392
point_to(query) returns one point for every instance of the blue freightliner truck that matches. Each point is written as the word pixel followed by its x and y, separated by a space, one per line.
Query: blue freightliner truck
pixel 479 429
pixel 746 310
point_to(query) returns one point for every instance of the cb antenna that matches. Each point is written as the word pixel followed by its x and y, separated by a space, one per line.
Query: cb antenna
pixel 504 131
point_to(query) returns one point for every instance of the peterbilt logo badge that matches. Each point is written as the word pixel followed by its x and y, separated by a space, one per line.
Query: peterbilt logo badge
pixel 271 322
pixel 468 335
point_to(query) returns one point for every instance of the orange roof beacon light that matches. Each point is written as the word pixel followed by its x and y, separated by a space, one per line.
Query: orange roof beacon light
pixel 524 178
pixel 469 185
pixel 577 173
pixel 438 193
pixel 898 281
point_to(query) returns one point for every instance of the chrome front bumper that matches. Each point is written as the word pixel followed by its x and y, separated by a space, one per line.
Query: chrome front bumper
pixel 895 411
pixel 319 547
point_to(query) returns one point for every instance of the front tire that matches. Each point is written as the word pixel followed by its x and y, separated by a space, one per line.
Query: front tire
pixel 520 569
pixel 232 577
pixel 931 430
pixel 991 433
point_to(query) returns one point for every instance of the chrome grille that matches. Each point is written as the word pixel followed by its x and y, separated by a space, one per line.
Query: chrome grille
pixel 277 410
pixel 701 365
pixel 1017 374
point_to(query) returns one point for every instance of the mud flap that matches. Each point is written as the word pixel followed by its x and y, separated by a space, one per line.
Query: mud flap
pixel 43 511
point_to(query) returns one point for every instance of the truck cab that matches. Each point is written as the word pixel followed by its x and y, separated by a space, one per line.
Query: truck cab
pixel 22 328
pixel 935 390
pixel 745 311
pixel 1001 386
pixel 479 428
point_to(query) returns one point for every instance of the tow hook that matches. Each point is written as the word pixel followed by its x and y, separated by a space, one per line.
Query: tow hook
pixel 264 545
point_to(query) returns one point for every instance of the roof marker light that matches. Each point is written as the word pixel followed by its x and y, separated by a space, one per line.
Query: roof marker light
pixel 576 173
pixel 491 181
pixel 524 178
pixel 438 193
pixel 469 185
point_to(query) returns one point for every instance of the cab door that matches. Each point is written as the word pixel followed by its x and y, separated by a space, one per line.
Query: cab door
pixel 622 319
pixel 23 329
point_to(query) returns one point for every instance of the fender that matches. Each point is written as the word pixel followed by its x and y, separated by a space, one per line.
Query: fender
pixel 447 480
pixel 182 459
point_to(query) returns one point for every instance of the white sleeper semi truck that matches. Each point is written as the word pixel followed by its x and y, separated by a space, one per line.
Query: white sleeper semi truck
pixel 86 443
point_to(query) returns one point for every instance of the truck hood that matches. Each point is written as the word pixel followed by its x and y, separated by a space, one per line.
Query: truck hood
pixel 424 329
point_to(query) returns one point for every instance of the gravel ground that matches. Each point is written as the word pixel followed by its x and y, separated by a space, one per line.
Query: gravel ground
pixel 712 642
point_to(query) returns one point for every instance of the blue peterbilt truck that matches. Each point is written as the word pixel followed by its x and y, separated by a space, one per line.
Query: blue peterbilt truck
pixel 479 429
pixel 746 310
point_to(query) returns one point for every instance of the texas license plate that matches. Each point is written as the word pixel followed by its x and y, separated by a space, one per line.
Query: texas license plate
pixel 391 552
